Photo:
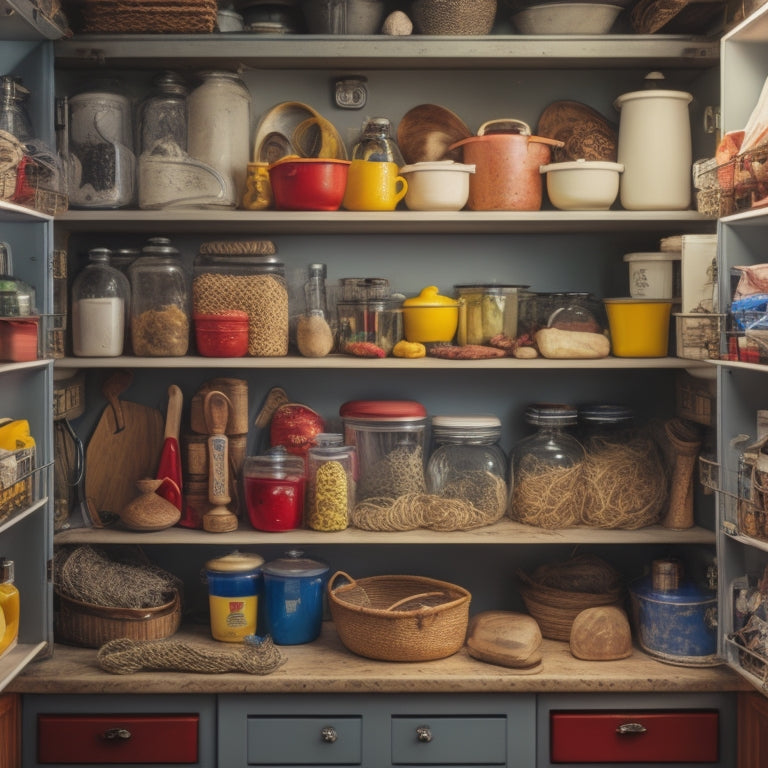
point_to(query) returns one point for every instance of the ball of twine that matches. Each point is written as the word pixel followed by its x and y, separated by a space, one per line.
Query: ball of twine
pixel 547 496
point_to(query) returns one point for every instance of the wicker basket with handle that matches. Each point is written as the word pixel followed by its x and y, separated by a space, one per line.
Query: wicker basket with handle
pixel 143 16
pixel 399 618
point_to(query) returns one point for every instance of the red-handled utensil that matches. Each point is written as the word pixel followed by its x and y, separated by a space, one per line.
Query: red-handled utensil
pixel 170 457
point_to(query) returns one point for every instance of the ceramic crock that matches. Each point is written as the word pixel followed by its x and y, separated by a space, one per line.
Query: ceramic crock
pixel 678 626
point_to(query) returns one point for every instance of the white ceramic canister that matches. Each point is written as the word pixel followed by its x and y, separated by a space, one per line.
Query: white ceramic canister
pixel 651 275
pixel 219 126
pixel 655 149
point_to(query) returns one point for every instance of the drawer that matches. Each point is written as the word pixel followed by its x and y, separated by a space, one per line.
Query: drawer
pixel 117 739
pixel 304 740
pixel 449 740
pixel 634 737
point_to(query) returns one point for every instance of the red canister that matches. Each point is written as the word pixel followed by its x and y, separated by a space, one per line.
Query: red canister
pixel 222 335
pixel 275 484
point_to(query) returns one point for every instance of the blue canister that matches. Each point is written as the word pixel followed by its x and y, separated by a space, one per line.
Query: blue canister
pixel 234 585
pixel 294 587
pixel 677 625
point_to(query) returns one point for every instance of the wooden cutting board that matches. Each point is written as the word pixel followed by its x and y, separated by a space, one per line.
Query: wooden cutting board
pixel 124 447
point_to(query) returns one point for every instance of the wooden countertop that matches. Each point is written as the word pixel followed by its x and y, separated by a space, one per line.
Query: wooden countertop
pixel 325 666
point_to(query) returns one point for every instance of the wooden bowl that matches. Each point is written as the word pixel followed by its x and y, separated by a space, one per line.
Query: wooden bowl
pixel 426 132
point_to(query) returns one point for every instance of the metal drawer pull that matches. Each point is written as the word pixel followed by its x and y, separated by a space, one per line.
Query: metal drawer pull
pixel 423 734
pixel 631 728
pixel 328 734
pixel 113 734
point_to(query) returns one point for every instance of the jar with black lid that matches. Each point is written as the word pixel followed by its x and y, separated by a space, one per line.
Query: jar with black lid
pixel 468 464
pixel 159 301
pixel 546 469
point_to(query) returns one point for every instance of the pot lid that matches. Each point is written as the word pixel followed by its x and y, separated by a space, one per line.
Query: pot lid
pixel 551 414
pixel 383 409
pixel 294 564
pixel 658 95
pixel 235 562
pixel 438 165
pixel 582 164
pixel 606 414
pixel 654 256
pixel 430 297
pixel 687 593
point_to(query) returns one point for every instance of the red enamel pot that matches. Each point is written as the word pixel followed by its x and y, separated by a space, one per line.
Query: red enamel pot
pixel 308 183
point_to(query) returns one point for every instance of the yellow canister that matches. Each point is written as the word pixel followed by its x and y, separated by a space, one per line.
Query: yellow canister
pixel 234 586
pixel 639 327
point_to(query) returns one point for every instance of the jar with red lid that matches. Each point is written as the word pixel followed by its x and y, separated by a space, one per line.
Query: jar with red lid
pixel 222 335
pixel 389 438
pixel 275 484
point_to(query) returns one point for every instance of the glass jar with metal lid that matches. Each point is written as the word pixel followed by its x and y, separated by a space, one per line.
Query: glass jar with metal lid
pixel 163 114
pixel 546 469
pixel 159 301
pixel 247 276
pixel 467 463
pixel 331 467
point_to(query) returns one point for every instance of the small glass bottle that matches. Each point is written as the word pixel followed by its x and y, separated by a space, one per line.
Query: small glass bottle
pixel 163 114
pixel 159 301
pixel 546 469
pixel 100 308
pixel 314 335
pixel 13 114
pixel 9 607
pixel 331 491
pixel 376 143
pixel 467 463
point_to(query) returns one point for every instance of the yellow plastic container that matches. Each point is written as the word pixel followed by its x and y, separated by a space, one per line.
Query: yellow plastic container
pixel 639 327
pixel 430 317
pixel 9 607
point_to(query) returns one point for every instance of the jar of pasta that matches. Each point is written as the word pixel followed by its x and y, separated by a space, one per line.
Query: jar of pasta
pixel 331 492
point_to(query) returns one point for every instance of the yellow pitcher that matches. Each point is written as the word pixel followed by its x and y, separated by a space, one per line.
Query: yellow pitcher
pixel 373 186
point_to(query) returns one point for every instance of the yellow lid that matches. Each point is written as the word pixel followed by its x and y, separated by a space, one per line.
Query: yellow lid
pixel 429 297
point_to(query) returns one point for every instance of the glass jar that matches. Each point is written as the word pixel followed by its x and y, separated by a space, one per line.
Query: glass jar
pixel 159 301
pixel 101 148
pixel 575 311
pixel 376 143
pixel 219 126
pixel 546 469
pixel 13 113
pixel 487 312
pixel 275 484
pixel 467 463
pixel 258 188
pixel 331 492
pixel 369 328
pixel 163 114
pixel 389 438
pixel 101 298
pixel 315 334
pixel 246 276
pixel 625 483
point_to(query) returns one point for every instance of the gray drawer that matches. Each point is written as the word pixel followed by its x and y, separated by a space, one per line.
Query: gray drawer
pixel 449 741
pixel 304 741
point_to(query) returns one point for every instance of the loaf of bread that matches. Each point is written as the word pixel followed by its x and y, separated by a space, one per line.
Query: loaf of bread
pixel 558 343
pixel 506 638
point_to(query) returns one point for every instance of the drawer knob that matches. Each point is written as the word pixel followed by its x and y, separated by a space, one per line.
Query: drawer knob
pixel 116 734
pixel 328 734
pixel 625 728
pixel 423 734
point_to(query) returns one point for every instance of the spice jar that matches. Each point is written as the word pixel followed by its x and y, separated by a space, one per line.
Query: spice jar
pixel 546 469
pixel 236 575
pixel 625 483
pixel 292 608
pixel 314 335
pixel 101 147
pixel 331 469
pixel 9 607
pixel 468 464
pixel 389 438
pixel 101 298
pixel 258 188
pixel 159 301
pixel 246 276
pixel 275 484
pixel 219 126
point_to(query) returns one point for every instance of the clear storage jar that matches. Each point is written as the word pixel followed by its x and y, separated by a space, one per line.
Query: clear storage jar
pixel 101 298
pixel 163 114
pixel 546 469
pixel 369 327
pixel 389 436
pixel 467 463
pixel 487 312
pixel 159 301
pixel 275 485
pixel 331 469
pixel 246 276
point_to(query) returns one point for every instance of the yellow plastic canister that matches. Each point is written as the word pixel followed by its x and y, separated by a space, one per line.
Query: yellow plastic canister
pixel 639 327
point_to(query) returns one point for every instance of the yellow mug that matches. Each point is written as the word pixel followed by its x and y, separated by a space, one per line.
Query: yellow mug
pixel 373 185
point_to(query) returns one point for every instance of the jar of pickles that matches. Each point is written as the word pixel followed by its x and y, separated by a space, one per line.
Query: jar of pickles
pixel 488 312
pixel 546 469
pixel 331 469
pixel 275 484
pixel 159 301
pixel 468 464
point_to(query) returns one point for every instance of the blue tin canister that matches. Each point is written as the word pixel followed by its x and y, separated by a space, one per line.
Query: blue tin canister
pixel 294 589
pixel 677 625
pixel 234 586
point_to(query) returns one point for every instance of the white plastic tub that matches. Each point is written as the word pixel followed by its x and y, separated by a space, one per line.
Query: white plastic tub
pixel 651 275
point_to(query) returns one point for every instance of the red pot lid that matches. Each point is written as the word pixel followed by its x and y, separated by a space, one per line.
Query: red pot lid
pixel 382 409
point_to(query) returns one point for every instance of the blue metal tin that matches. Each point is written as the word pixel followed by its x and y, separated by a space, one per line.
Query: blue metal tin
pixel 678 626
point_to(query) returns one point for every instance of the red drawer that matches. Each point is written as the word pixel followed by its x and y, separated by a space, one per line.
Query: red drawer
pixel 117 738
pixel 646 737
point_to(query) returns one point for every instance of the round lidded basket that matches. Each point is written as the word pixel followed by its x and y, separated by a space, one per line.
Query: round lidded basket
pixel 399 618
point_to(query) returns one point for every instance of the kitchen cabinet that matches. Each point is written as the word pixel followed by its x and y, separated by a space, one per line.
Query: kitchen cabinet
pixel 753 729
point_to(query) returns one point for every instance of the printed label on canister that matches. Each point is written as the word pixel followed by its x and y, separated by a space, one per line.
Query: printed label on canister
pixel 233 618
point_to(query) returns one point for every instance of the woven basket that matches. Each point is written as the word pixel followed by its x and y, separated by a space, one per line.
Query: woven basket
pixel 555 609
pixel 91 626
pixel 399 618
pixel 143 16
